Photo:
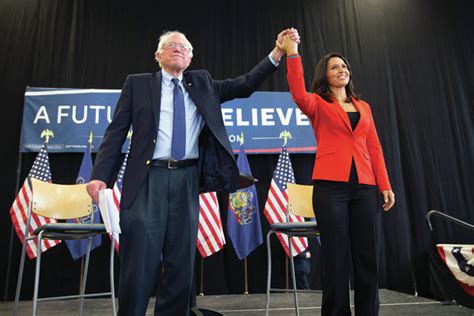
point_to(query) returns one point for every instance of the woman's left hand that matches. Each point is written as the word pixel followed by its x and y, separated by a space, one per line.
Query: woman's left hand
pixel 388 199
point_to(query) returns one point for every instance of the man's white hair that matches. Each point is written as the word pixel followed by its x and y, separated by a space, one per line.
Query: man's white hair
pixel 164 39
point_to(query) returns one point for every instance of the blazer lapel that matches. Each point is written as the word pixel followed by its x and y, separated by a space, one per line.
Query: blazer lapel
pixel 340 111
pixel 361 111
pixel 155 95
pixel 209 118
pixel 189 86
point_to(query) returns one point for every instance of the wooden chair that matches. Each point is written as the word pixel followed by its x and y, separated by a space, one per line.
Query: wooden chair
pixel 300 203
pixel 62 202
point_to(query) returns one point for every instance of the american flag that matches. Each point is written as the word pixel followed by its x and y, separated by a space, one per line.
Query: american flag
pixel 117 194
pixel 275 208
pixel 458 259
pixel 210 234
pixel 20 207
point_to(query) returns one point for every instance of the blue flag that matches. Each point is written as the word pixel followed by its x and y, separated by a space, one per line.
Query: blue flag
pixel 243 219
pixel 78 248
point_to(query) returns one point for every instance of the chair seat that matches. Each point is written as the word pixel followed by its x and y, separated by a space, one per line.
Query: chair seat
pixel 70 230
pixel 294 227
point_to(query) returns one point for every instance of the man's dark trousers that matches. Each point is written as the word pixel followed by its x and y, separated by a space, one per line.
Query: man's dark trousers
pixel 162 220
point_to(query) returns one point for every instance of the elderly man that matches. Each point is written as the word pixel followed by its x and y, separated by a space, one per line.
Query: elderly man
pixel 179 147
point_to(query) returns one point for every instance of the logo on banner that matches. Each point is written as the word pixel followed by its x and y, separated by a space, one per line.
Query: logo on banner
pixel 243 206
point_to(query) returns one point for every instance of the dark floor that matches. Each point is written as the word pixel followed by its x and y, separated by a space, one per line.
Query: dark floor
pixel 391 303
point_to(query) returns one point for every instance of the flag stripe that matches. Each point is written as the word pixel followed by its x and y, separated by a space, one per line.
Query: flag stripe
pixel 210 235
pixel 20 206
pixel 210 238
pixel 117 195
pixel 211 219
pixel 277 200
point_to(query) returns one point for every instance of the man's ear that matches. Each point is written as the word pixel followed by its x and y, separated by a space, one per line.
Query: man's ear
pixel 157 56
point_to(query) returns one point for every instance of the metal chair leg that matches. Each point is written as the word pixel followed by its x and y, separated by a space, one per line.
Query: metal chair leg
pixel 112 285
pixel 37 273
pixel 293 277
pixel 22 260
pixel 84 278
pixel 269 273
pixel 20 278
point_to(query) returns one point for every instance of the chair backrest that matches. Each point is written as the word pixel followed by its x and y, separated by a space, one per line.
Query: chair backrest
pixel 300 200
pixel 60 201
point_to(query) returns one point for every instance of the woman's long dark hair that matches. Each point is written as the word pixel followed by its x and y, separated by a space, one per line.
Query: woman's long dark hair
pixel 320 82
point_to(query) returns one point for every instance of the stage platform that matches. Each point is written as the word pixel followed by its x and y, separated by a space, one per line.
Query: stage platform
pixel 391 303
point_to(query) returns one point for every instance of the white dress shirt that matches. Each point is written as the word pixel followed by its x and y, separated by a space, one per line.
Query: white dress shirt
pixel 194 121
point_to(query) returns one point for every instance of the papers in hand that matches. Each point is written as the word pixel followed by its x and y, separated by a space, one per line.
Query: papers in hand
pixel 109 212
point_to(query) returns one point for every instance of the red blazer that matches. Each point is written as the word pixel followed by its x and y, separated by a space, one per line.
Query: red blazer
pixel 337 143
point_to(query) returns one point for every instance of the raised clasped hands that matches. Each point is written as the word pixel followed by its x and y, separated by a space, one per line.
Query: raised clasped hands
pixel 280 48
pixel 288 41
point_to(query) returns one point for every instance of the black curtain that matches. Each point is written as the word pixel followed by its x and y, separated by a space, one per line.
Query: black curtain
pixel 411 60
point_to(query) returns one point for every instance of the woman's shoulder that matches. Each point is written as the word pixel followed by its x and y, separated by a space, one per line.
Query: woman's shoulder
pixel 363 103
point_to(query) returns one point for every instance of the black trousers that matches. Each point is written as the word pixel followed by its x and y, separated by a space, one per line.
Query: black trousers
pixel 160 227
pixel 348 216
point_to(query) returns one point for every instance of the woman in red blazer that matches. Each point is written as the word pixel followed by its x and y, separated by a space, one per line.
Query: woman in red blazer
pixel 348 171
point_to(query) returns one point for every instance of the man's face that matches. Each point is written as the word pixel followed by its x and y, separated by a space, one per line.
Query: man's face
pixel 175 55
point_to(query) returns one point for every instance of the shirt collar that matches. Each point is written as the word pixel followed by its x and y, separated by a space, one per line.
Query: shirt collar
pixel 166 77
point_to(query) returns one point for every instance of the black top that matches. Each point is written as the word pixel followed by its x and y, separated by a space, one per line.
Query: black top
pixel 354 119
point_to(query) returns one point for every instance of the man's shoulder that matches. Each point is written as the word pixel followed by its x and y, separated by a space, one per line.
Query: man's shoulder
pixel 142 75
pixel 197 73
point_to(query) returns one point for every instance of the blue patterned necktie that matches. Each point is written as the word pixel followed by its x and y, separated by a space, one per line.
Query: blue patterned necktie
pixel 178 140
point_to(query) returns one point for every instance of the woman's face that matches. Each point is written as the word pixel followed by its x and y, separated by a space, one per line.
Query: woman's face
pixel 338 73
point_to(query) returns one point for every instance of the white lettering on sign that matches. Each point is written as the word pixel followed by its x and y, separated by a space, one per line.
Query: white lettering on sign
pixel 76 114
pixel 301 118
pixel 62 112
pixel 97 109
pixel 227 116
pixel 264 117
pixel 234 138
pixel 42 114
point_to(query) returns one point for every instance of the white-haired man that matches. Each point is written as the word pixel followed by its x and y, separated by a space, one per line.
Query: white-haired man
pixel 179 148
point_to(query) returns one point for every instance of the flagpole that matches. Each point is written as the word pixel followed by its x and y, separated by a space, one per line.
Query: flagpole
pixel 201 278
pixel 12 229
pixel 286 272
pixel 81 281
pixel 246 280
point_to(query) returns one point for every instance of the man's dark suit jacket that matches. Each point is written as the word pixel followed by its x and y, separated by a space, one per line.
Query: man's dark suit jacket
pixel 139 106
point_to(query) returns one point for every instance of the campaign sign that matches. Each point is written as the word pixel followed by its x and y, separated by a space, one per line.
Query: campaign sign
pixel 264 120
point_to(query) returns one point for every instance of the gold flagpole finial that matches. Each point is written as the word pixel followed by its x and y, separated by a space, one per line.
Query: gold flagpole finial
pixel 90 137
pixel 130 133
pixel 285 135
pixel 241 138
pixel 47 133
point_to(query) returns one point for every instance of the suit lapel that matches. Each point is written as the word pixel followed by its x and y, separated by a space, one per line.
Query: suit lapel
pixel 361 111
pixel 340 111
pixel 210 118
pixel 191 89
pixel 155 94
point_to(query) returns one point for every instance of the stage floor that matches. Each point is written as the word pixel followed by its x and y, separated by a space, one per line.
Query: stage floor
pixel 391 303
